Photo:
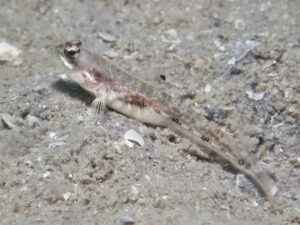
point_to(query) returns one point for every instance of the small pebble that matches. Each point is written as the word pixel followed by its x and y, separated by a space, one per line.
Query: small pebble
pixel 231 61
pixel 255 203
pixel 66 196
pixel 255 96
pixel 251 44
pixel 217 23
pixel 207 88
pixel 62 76
pixel 223 207
pixel 127 220
pixel 134 190
pixel 8 121
pixel 18 62
pixel 46 174
pixel 106 37
pixel 36 112
pixel 171 33
pixel 31 120
pixel 8 52
pixel 198 64
pixel 214 113
pixel 219 45
pixel 52 135
pixel 111 54
pixel 156 21
pixel 234 70
pixel 171 36
pixel 240 24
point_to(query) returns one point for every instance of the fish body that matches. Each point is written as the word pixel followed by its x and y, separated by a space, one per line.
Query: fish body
pixel 133 98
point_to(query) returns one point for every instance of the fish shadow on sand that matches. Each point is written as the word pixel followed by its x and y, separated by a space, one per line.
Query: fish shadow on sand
pixel 73 90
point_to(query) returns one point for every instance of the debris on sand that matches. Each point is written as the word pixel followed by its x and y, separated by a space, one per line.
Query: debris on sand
pixel 106 37
pixel 132 136
pixel 126 220
pixel 8 52
pixel 255 96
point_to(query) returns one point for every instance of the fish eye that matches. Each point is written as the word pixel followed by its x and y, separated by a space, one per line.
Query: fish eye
pixel 72 49
pixel 71 52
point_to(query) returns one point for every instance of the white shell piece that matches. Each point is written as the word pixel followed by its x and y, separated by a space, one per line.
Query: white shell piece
pixel 132 136
pixel 240 24
pixel 52 135
pixel 66 196
pixel 62 76
pixel 111 54
pixel 46 174
pixel 106 37
pixel 232 61
pixel 207 88
pixel 255 96
pixel 8 52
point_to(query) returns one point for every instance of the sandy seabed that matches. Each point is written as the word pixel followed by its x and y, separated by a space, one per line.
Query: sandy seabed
pixel 234 63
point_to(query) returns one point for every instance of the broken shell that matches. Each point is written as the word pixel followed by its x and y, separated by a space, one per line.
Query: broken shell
pixel 255 96
pixel 106 37
pixel 8 52
pixel 111 54
pixel 132 136
pixel 7 121
pixel 240 24
pixel 172 33
pixel 171 36
pixel 62 76
pixel 52 135
pixel 66 196
pixel 207 88
pixel 46 174
pixel 31 120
